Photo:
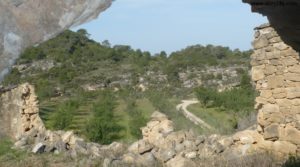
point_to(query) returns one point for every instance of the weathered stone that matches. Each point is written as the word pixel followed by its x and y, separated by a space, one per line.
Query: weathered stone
pixel 275 81
pixel 292 77
pixel 293 93
pixel 273 55
pixel 166 155
pixel 19 112
pixel 296 102
pixel 280 46
pixel 284 147
pixel 294 69
pixel 180 161
pixel 290 134
pixel 32 22
pixel 261 42
pixel 289 61
pixel 275 40
pixel 266 94
pixel 158 116
pixel 21 143
pixel 80 147
pixel 284 102
pixel 191 155
pixel 295 110
pixel 270 69
pixel 60 146
pixel 39 148
pixel 258 73
pixel 144 146
pixel 67 136
pixel 271 132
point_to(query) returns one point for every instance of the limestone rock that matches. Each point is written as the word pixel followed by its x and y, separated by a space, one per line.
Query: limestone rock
pixel 19 112
pixel 31 22
pixel 290 134
pixel 293 92
pixel 257 73
pixel 39 148
pixel 284 147
pixel 271 132
pixel 260 43
pixel 179 161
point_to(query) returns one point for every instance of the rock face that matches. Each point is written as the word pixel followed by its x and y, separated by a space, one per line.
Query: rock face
pixel 283 16
pixel 27 22
pixel 276 74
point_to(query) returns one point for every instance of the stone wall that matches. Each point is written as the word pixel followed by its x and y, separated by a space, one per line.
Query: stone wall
pixel 276 73
pixel 19 113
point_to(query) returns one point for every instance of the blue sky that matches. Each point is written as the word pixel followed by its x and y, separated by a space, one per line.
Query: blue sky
pixel 170 25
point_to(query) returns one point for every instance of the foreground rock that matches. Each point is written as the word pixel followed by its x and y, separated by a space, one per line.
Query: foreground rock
pixel 25 23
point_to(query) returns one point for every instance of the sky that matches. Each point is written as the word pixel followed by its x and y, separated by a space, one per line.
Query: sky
pixel 171 25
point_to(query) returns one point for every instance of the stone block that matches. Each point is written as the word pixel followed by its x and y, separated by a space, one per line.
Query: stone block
pixel 271 132
pixel 293 93
pixel 258 73
pixel 275 81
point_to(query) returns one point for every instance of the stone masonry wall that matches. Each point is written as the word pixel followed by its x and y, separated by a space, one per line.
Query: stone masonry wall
pixel 19 112
pixel 276 73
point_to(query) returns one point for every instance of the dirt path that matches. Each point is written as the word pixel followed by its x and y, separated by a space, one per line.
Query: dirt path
pixel 196 120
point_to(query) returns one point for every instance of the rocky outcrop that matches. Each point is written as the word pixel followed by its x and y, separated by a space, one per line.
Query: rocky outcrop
pixel 25 23
pixel 275 70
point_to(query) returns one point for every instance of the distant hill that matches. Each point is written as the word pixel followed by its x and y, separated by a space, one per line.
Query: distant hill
pixel 71 72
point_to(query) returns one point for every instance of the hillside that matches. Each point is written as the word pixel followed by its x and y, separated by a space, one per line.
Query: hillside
pixel 78 79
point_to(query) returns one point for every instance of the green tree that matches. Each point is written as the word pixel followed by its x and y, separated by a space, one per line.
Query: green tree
pixel 137 119
pixel 62 118
pixel 103 127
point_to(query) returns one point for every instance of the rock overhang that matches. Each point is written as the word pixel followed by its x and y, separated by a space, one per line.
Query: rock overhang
pixel 283 15
pixel 26 23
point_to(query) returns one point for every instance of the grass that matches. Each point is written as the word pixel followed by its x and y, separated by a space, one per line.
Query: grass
pixel 222 121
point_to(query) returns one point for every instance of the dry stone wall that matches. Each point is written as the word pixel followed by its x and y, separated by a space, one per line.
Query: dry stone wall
pixel 19 113
pixel 276 73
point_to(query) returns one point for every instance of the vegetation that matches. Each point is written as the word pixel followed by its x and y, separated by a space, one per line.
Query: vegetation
pixel 103 127
pixel 93 88
pixel 239 99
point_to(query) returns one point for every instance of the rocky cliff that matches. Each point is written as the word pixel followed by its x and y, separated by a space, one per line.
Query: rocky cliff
pixel 25 23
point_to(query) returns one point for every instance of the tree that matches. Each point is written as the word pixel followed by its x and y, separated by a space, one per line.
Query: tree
pixel 106 43
pixel 137 119
pixel 83 32
pixel 103 127
pixel 63 117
